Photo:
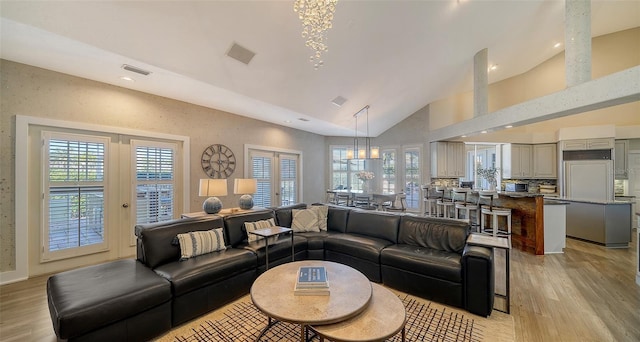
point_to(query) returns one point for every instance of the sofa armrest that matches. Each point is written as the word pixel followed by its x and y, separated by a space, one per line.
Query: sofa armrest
pixel 478 279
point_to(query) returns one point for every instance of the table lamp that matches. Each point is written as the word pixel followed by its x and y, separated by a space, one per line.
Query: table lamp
pixel 245 187
pixel 212 187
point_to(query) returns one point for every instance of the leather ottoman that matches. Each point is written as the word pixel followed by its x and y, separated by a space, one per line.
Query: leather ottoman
pixel 117 301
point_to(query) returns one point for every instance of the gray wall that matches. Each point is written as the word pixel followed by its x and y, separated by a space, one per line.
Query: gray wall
pixel 36 92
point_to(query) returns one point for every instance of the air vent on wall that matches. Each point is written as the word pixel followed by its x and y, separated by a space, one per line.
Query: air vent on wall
pixel 241 54
pixel 135 69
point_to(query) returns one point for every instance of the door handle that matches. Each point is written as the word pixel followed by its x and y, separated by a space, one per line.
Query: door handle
pixel 125 205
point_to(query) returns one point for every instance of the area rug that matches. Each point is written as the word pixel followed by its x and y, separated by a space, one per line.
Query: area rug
pixel 426 321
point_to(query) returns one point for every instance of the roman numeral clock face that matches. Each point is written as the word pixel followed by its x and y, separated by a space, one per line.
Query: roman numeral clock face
pixel 218 161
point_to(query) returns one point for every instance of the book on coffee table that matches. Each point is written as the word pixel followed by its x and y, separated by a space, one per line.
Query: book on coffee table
pixel 312 281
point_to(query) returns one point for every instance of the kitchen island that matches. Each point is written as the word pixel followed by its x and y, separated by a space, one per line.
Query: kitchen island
pixel 527 217
pixel 606 223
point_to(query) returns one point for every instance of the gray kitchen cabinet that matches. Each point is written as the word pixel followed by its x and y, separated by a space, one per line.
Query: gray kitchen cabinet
pixel 621 159
pixel 517 161
pixel 545 161
pixel 447 159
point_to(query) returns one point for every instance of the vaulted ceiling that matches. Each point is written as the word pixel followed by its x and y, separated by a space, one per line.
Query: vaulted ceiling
pixel 396 56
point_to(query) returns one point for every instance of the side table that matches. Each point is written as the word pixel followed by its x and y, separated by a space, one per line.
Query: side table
pixel 266 233
pixel 501 243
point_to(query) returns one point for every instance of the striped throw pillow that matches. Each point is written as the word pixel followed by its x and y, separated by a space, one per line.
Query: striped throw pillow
pixel 251 226
pixel 201 242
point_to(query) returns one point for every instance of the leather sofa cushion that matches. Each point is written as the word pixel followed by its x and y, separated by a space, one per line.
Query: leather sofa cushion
pixel 284 215
pixel 359 246
pixel 315 240
pixel 88 298
pixel 439 234
pixel 234 224
pixel 426 261
pixel 155 240
pixel 203 270
pixel 337 218
pixel 374 224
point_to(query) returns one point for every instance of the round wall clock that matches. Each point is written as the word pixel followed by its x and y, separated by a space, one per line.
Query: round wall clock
pixel 218 161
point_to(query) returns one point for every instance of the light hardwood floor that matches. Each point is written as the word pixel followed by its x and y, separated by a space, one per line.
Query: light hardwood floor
pixel 586 294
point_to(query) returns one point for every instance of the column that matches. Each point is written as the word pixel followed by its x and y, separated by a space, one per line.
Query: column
pixel 577 37
pixel 480 83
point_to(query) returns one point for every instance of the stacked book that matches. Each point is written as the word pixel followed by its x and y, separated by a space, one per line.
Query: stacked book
pixel 312 281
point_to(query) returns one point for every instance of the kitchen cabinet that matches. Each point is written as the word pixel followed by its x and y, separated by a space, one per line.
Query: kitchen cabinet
pixel 588 144
pixel 621 159
pixel 447 159
pixel 517 161
pixel 545 161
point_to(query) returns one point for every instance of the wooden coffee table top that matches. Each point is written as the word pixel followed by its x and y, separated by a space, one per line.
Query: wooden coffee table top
pixel 383 318
pixel 350 292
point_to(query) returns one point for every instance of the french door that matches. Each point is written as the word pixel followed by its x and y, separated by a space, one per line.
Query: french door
pixel 278 177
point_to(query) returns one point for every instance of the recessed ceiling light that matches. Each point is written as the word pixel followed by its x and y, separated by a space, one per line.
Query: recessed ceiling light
pixel 127 78
pixel 508 126
pixel 463 136
pixel 557 45
pixel 287 121
pixel 493 67
pixel 483 132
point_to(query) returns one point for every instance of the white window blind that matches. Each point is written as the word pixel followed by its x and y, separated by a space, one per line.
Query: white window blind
pixel 288 180
pixel 154 165
pixel 261 171
pixel 74 196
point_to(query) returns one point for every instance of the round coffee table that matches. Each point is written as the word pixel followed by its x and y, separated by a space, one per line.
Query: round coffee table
pixel 272 293
pixel 383 318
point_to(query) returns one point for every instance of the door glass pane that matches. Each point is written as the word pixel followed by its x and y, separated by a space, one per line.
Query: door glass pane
pixel 154 177
pixel 389 171
pixel 412 177
pixel 75 193
pixel 261 171
pixel 288 175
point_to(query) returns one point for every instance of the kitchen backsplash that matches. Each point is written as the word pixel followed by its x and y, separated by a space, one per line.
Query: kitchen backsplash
pixel 534 184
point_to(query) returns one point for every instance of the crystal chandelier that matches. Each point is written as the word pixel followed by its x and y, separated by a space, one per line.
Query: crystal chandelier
pixel 316 17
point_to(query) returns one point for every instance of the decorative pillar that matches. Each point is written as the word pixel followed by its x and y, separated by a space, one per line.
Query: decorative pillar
pixel 577 37
pixel 480 83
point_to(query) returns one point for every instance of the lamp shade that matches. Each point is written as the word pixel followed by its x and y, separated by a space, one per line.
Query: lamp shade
pixel 245 187
pixel 213 187
pixel 242 186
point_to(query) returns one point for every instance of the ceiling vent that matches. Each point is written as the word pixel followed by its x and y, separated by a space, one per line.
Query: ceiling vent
pixel 303 119
pixel 240 53
pixel 135 69
pixel 339 101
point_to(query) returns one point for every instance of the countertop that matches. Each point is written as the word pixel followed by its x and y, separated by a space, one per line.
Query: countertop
pixel 579 200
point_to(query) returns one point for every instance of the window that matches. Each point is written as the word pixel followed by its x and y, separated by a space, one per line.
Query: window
pixel 343 171
pixel 288 180
pixel 412 177
pixel 154 165
pixel 74 175
pixel 261 171
pixel 389 171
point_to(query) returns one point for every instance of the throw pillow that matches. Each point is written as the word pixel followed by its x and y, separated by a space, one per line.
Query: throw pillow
pixel 322 211
pixel 305 220
pixel 251 226
pixel 201 242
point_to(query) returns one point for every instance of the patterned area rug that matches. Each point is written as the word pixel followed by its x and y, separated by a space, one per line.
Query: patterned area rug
pixel 426 321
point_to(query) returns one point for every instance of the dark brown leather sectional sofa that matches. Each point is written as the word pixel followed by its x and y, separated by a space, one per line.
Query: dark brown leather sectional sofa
pixel 135 300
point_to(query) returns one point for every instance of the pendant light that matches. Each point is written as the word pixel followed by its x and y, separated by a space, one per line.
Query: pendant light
pixel 366 150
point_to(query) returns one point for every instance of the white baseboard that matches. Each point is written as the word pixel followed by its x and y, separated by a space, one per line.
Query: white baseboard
pixel 12 277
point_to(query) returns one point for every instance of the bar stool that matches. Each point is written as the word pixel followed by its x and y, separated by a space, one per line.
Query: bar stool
pixel 464 205
pixel 443 204
pixel 331 197
pixel 430 207
pixel 494 212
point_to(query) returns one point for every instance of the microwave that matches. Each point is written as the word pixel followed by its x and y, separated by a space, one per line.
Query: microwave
pixel 516 187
